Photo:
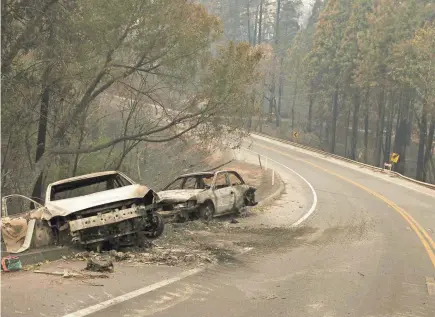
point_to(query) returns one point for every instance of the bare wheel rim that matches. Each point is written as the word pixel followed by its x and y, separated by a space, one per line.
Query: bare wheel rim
pixel 207 213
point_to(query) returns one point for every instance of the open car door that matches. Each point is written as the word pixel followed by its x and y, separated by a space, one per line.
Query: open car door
pixel 18 222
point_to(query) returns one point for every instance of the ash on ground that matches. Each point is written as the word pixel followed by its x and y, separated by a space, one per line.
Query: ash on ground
pixel 154 255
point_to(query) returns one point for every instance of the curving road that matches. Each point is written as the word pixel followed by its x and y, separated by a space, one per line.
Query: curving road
pixel 364 246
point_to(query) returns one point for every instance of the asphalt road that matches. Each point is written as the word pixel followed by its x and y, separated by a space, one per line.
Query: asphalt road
pixel 366 250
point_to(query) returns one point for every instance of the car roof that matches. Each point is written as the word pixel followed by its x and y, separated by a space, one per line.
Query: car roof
pixel 86 176
pixel 197 174
pixel 207 173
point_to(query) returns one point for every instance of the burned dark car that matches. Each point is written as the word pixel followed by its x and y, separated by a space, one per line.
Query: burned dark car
pixel 205 195
pixel 98 210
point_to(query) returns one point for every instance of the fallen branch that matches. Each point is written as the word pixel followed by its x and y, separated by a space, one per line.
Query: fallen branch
pixel 67 274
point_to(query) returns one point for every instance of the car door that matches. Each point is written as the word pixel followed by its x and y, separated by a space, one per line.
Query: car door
pixel 18 224
pixel 237 184
pixel 223 193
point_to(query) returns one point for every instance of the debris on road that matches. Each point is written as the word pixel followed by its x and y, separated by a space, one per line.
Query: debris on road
pixel 11 263
pixel 68 274
pixel 97 265
pixel 157 256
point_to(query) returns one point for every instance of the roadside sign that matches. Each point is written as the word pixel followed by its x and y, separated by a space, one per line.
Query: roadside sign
pixel 394 158
pixel 295 134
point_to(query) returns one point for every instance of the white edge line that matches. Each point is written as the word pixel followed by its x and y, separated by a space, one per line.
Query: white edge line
pixel 125 297
pixel 313 206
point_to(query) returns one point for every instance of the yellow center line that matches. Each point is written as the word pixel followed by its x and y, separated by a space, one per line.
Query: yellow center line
pixel 418 229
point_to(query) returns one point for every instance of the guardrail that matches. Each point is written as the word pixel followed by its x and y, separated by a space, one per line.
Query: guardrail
pixel 338 157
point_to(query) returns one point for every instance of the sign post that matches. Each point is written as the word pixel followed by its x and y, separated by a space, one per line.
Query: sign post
pixel 394 159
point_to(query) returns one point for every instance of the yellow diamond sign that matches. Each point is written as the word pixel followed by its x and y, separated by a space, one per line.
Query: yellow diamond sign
pixel 394 158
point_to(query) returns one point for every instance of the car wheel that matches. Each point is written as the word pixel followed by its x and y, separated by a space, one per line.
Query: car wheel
pixel 179 218
pixel 249 199
pixel 206 212
pixel 157 226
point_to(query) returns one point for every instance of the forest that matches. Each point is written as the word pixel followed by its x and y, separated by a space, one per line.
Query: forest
pixel 96 84
pixel 353 77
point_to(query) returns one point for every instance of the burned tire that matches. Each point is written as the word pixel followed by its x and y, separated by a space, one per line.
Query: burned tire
pixel 206 212
pixel 157 226
pixel 249 199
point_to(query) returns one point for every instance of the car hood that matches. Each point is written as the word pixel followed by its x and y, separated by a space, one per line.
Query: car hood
pixel 178 195
pixel 65 207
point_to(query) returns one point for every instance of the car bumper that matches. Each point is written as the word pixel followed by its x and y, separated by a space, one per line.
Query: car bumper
pixel 181 212
pixel 106 226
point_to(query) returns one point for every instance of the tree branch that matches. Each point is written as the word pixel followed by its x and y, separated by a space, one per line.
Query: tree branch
pixel 91 93
pixel 138 137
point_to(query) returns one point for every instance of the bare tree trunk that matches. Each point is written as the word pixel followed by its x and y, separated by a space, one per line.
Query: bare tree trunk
pixel 366 128
pixel 422 142
pixel 277 21
pixel 334 119
pixel 248 12
pixel 295 92
pixel 398 119
pixel 428 155
pixel 280 91
pixel 260 23
pixel 354 140
pixel 255 26
pixel 272 100
pixel 275 63
pixel 41 139
pixel 261 122
pixel 321 134
pixel 4 157
pixel 399 135
pixel 79 145
pixel 379 129
pixel 347 131
pixel 403 128
pixel 262 106
pixel 252 107
pixel 387 150
pixel 236 15
pixel 310 110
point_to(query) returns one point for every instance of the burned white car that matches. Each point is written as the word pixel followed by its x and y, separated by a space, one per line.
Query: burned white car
pixel 100 210
pixel 205 195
